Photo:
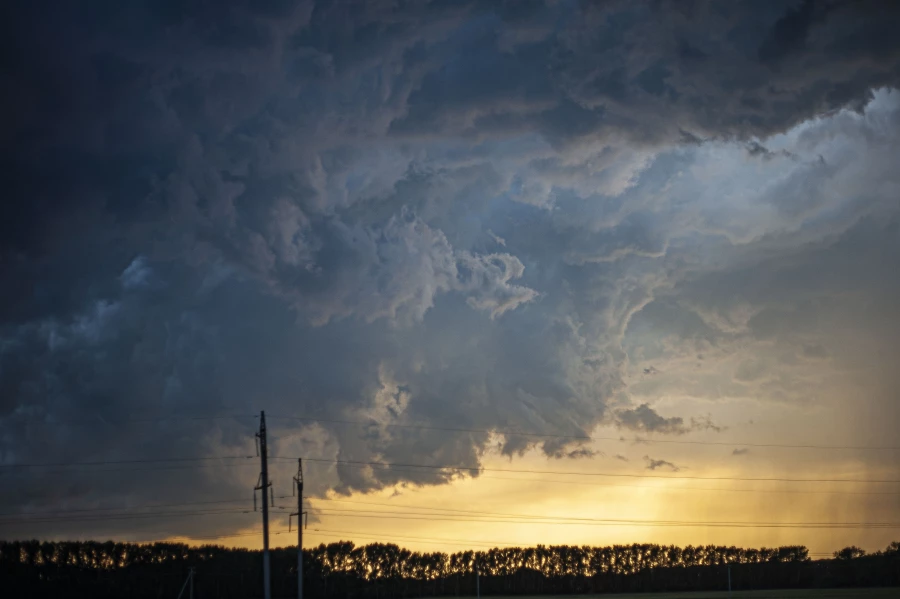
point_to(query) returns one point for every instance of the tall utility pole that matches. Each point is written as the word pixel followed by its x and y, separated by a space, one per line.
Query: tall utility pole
pixel 264 486
pixel 189 581
pixel 300 513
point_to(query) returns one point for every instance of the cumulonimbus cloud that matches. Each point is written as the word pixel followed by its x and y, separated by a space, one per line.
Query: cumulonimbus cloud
pixel 219 211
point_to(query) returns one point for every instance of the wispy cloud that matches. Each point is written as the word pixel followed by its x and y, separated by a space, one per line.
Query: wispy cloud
pixel 652 464
pixel 646 419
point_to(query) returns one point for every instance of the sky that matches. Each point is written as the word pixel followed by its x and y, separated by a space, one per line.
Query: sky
pixel 627 262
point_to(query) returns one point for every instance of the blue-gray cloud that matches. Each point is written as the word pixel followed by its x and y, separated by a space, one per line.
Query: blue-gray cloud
pixel 480 214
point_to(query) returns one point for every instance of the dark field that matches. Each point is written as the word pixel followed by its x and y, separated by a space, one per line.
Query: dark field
pixel 891 593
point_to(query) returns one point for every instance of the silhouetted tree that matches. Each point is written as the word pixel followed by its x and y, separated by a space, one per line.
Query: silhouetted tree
pixel 851 552
pixel 377 571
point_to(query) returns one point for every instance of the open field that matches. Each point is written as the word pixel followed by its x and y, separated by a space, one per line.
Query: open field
pixel 891 593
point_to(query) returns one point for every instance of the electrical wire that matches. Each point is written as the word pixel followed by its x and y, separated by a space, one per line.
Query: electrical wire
pixel 513 433
pixel 99 419
pixel 128 470
pixel 658 488
pixel 131 507
pixel 605 474
pixel 609 522
pixel 131 516
pixel 454 512
pixel 506 432
pixel 120 462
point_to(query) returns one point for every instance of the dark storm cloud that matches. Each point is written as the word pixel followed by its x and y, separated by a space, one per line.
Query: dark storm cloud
pixel 215 208
pixel 651 72
pixel 789 33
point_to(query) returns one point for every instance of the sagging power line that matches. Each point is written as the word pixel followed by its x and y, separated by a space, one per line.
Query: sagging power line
pixel 127 508
pixel 658 488
pixel 467 430
pixel 450 511
pixel 19 520
pixel 513 433
pixel 123 462
pixel 448 467
pixel 469 516
pixel 607 522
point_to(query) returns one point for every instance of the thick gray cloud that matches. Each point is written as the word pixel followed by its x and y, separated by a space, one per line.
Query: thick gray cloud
pixel 478 214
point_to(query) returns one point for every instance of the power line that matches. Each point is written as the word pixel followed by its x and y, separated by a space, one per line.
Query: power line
pixel 398 468
pixel 446 514
pixel 131 507
pixel 512 433
pixel 554 519
pixel 658 488
pixel 609 474
pixel 369 514
pixel 128 470
pixel 705 489
pixel 436 509
pixel 133 516
pixel 462 513
pixel 99 419
pixel 120 462
pixel 505 432
pixel 569 520
pixel 184 418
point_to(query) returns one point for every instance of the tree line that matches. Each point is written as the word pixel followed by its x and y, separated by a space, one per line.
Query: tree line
pixel 382 570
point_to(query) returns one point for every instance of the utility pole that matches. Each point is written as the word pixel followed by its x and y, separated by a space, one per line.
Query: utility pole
pixel 300 524
pixel 264 485
pixel 189 581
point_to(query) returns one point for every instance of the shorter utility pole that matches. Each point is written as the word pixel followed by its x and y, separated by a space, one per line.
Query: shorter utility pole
pixel 301 523
pixel 729 580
